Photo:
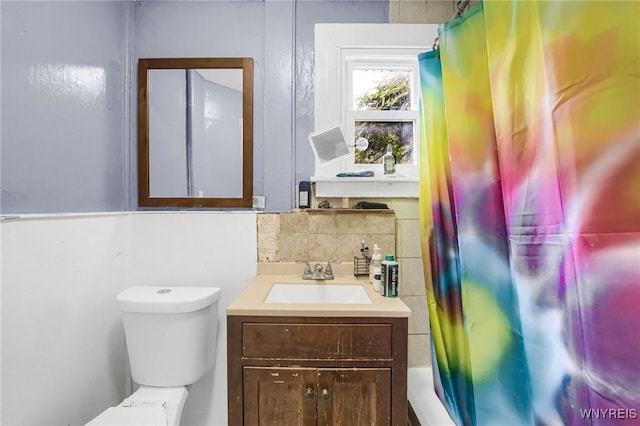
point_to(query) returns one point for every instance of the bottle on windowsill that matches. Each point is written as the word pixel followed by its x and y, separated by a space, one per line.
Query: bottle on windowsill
pixel 389 161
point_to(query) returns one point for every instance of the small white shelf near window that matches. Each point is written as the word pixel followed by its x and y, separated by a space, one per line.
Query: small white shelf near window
pixel 369 187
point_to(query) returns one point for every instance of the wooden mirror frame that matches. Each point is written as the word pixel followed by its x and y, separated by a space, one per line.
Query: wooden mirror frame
pixel 144 198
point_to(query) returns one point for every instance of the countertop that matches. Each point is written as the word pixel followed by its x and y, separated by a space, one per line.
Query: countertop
pixel 251 300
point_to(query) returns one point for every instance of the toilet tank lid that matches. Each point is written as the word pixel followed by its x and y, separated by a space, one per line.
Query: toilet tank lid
pixel 159 300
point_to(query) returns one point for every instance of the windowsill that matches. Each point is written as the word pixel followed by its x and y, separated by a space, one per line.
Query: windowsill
pixel 369 187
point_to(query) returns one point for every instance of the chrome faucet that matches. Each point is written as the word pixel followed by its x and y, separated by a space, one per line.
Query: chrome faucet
pixel 318 273
pixel 328 271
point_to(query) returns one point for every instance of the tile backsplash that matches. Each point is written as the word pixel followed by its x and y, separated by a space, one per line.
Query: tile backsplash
pixel 319 235
pixel 322 235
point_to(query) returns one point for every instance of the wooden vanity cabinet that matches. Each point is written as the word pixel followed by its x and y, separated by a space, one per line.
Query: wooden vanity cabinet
pixel 279 396
pixel 354 397
pixel 317 371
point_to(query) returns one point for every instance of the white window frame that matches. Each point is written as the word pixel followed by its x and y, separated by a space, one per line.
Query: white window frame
pixel 338 48
pixel 380 58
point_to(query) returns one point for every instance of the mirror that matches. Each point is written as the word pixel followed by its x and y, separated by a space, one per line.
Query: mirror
pixel 329 144
pixel 195 132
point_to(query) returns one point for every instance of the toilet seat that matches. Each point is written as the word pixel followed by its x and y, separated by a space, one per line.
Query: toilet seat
pixel 148 406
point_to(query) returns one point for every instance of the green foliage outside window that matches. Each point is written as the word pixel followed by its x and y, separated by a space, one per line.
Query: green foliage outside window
pixel 393 94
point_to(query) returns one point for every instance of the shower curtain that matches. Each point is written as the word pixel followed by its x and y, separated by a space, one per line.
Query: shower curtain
pixel 530 211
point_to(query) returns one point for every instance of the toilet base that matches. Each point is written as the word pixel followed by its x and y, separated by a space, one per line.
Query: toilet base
pixel 148 406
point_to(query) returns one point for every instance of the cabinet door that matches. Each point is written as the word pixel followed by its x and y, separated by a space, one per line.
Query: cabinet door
pixel 355 396
pixel 280 396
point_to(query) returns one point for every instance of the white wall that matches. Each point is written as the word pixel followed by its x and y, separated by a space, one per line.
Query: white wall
pixel 62 344
pixel 202 249
pixel 63 355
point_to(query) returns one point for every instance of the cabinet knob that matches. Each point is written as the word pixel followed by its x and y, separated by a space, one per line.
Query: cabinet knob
pixel 325 394
pixel 308 394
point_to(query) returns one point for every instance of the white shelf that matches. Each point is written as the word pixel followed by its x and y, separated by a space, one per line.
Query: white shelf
pixel 372 187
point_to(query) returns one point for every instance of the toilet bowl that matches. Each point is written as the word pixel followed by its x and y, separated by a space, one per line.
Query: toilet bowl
pixel 171 340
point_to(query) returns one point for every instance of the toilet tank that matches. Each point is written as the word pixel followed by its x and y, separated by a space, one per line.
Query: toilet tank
pixel 170 333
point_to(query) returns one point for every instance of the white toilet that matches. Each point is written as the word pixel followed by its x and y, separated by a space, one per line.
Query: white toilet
pixel 171 341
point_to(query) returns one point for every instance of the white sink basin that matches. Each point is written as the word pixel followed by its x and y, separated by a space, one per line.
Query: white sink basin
pixel 317 293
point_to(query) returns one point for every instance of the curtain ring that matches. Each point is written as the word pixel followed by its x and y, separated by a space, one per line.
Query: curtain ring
pixel 460 7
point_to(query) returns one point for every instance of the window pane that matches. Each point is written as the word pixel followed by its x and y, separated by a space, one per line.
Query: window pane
pixel 380 133
pixel 377 89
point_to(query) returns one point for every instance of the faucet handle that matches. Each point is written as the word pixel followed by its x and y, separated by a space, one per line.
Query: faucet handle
pixel 328 271
pixel 307 269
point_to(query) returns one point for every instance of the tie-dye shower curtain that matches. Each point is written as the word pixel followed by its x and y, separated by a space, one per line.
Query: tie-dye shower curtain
pixel 530 209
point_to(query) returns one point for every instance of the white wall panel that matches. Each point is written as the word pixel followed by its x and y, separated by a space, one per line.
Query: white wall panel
pixel 63 353
pixel 202 249
pixel 62 342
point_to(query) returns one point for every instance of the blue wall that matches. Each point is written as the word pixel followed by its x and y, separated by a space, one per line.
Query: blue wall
pixel 68 91
pixel 63 107
pixel 309 13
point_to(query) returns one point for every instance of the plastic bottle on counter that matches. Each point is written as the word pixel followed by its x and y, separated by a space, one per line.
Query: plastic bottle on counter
pixel 390 276
pixel 375 269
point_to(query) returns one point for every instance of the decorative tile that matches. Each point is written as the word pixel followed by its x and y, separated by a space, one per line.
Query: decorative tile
pixel 408 12
pixel 268 222
pixel 412 277
pixel 323 223
pixel 322 247
pixel 268 241
pixel 386 242
pixel 395 7
pixel 419 319
pixel 348 246
pixel 439 11
pixel 419 350
pixel 266 255
pixel 294 223
pixel 292 247
pixel 406 208
pixel 408 238
pixel 381 223
pixel 351 223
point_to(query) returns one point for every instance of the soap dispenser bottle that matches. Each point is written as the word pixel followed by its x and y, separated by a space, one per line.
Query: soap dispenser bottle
pixel 375 269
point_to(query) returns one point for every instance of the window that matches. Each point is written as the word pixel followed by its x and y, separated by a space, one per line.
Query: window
pixel 381 107
pixel 367 80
